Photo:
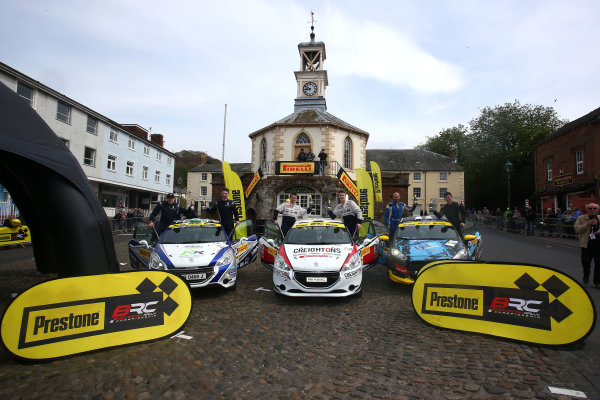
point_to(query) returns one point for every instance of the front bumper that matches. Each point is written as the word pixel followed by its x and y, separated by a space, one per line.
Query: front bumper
pixel 224 276
pixel 297 283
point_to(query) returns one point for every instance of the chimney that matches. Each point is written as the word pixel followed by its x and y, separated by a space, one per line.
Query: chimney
pixel 157 138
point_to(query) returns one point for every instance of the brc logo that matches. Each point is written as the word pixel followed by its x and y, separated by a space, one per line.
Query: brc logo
pixel 516 303
pixel 140 309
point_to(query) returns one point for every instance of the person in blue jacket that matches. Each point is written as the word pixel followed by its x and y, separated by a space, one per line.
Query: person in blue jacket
pixel 393 213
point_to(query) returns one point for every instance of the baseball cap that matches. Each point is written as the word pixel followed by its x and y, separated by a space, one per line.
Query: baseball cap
pixel 170 196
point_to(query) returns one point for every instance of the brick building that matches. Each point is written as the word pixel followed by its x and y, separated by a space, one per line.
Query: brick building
pixel 567 165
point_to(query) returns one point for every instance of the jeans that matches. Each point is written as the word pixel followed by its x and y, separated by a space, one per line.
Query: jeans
pixel 530 227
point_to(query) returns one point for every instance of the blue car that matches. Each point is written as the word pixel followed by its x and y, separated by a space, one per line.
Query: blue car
pixel 198 250
pixel 421 240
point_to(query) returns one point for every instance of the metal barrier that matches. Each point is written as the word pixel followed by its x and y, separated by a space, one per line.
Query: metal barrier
pixel 550 227
pixel 124 225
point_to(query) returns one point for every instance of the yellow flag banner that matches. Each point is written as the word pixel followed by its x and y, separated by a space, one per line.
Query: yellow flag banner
pixel 377 186
pixel 236 191
pixel 257 177
pixel 365 190
pixel 68 316
pixel 529 303
pixel 348 182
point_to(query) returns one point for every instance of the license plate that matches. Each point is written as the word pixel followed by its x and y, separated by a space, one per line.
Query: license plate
pixel 316 279
pixel 193 277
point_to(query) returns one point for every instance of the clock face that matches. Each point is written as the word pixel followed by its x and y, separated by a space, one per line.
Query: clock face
pixel 310 89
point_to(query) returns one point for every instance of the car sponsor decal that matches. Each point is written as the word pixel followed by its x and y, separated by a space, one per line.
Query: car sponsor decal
pixel 523 302
pixel 318 223
pixel 243 248
pixel 74 315
pixel 145 253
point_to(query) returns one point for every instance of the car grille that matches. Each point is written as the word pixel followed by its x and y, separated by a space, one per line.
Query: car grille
pixel 332 278
pixel 208 270
pixel 415 266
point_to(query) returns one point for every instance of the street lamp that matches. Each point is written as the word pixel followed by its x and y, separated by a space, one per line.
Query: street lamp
pixel 508 166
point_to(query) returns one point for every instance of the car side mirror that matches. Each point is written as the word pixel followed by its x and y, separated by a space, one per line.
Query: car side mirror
pixel 144 243
pixel 271 242
pixel 468 238
pixel 384 237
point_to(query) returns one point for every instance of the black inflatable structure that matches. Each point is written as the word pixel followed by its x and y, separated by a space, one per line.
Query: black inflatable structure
pixel 70 231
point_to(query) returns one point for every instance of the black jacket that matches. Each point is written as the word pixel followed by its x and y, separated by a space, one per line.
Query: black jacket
pixel 168 214
pixel 227 211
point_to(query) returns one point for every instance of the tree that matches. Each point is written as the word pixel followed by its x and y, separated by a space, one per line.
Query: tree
pixel 497 135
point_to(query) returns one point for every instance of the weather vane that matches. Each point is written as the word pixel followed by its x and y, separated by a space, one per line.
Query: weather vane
pixel 312 25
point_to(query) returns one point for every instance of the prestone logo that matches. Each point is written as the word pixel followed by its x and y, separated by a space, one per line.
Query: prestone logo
pixel 454 300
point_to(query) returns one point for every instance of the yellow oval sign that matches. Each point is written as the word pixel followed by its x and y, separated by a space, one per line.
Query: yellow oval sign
pixel 523 302
pixel 74 315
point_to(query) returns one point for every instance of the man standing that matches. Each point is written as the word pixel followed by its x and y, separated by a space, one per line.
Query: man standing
pixel 454 212
pixel 228 214
pixel 587 229
pixel 289 212
pixel 393 213
pixel 322 161
pixel 349 211
pixel 168 210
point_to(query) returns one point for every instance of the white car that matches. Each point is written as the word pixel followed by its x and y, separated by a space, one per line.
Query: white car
pixel 318 258
pixel 198 251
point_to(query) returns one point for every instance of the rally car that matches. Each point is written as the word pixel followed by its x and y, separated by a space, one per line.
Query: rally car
pixel 318 258
pixel 421 240
pixel 14 233
pixel 197 250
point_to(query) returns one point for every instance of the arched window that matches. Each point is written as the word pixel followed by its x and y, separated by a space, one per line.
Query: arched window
pixel 347 153
pixel 302 143
pixel 263 151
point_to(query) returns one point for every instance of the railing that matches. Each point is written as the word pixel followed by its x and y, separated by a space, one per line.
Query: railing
pixel 331 168
pixel 541 226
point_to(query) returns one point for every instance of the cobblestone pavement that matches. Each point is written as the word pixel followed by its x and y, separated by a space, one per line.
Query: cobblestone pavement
pixel 251 344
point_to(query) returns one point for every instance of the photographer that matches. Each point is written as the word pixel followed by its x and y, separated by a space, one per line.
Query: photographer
pixel 587 229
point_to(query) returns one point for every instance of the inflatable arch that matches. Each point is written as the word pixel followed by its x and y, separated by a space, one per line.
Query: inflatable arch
pixel 70 231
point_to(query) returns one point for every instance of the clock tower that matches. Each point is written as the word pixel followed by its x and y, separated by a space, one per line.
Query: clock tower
pixel 312 78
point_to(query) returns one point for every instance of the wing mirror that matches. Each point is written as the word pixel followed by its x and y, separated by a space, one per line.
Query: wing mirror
pixel 384 237
pixel 468 238
pixel 271 242
pixel 144 243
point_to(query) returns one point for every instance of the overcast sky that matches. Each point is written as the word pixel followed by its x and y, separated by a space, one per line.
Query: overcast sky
pixel 400 70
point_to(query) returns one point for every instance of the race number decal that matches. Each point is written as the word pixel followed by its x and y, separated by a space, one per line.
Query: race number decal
pixel 523 302
pixel 74 315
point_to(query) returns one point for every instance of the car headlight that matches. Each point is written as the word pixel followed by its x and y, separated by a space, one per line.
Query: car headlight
pixel 353 262
pixel 156 262
pixel 281 264
pixel 227 258
pixel 461 255
pixel 397 253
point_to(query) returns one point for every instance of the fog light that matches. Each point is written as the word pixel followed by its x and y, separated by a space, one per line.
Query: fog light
pixel 281 287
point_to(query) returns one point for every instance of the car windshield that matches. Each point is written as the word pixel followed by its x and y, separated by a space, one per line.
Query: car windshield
pixel 194 234
pixel 426 232
pixel 318 235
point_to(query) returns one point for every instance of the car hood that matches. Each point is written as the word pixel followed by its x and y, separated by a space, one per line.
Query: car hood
pixel 317 257
pixel 419 250
pixel 192 255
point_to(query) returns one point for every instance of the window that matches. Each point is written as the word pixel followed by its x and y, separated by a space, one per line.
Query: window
pixel 63 112
pixel 145 173
pixel 25 92
pixel 347 153
pixel 92 125
pixel 442 191
pixel 111 164
pixel 157 176
pixel 158 156
pixel 417 176
pixel 263 151
pixel 443 176
pixel 203 190
pixel 417 192
pixel 129 168
pixel 66 142
pixel 113 136
pixel 579 162
pixel 169 161
pixel 147 151
pixel 204 176
pixel 131 144
pixel 89 157
pixel 303 139
pixel 168 181
pixel 549 170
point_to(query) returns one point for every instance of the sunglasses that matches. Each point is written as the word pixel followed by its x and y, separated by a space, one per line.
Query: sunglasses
pixel 592 208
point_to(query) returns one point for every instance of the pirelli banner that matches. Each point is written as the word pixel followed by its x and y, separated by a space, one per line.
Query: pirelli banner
pixel 522 302
pixel 74 315
pixel 296 168
pixel 257 177
pixel 348 182
pixel 236 190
